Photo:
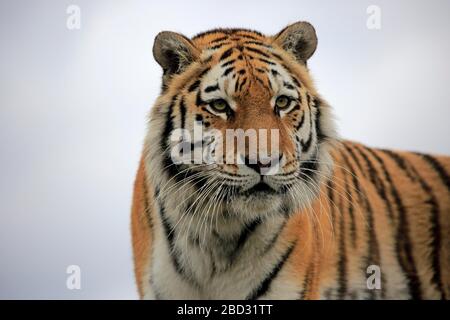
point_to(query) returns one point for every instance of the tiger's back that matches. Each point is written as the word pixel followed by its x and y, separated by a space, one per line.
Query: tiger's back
pixel 390 210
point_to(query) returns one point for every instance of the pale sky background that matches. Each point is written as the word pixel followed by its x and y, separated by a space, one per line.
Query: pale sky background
pixel 73 106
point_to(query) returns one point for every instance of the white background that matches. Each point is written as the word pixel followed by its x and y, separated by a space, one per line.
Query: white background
pixel 73 108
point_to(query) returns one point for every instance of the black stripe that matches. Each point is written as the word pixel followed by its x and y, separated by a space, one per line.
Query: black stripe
pixel 330 189
pixel 258 43
pixel 257 51
pixel 203 72
pixel 198 100
pixel 288 85
pixel 354 158
pixel 227 63
pixel 169 232
pixel 262 70
pixel 267 61
pixel 309 166
pixel 239 33
pixel 270 83
pixel 194 86
pixel 212 88
pixel 349 197
pixel 246 232
pixel 242 84
pixel 307 280
pixel 319 132
pixel 443 175
pixel 295 108
pixel 435 231
pixel 168 165
pixel 265 284
pixel 306 145
pixel 219 39
pixel 168 126
pixel 236 85
pixel 182 113
pixel 277 56
pixel 147 212
pixel 207 59
pixel 230 31
pixel 302 120
pixel 404 249
pixel 262 83
pixel 226 54
pixel 342 261
pixel 227 71
pixel 219 45
pixel 297 83
pixel 207 110
pixel 376 181
pixel 373 254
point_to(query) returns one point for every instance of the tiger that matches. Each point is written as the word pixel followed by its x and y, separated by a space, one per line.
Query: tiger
pixel 335 220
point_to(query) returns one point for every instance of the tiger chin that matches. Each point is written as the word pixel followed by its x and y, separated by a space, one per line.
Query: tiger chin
pixel 334 220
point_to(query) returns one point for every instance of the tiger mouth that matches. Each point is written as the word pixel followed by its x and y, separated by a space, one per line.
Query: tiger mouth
pixel 261 188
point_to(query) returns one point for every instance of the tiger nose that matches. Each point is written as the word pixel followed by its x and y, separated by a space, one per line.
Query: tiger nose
pixel 258 165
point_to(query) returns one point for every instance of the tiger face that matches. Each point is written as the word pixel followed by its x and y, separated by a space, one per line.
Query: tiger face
pixel 243 106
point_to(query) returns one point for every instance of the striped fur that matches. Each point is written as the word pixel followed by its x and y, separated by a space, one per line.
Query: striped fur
pixel 201 233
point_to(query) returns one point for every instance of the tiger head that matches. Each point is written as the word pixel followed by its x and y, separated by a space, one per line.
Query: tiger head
pixel 240 84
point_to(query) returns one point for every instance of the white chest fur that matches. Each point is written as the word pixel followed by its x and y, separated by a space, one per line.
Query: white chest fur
pixel 226 259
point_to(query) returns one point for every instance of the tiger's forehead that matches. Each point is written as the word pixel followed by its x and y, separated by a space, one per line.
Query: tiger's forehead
pixel 218 37
pixel 239 59
pixel 220 44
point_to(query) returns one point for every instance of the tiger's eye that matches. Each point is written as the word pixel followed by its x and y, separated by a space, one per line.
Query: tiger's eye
pixel 282 102
pixel 219 105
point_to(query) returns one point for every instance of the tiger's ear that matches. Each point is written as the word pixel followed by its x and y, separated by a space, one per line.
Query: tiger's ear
pixel 174 52
pixel 299 39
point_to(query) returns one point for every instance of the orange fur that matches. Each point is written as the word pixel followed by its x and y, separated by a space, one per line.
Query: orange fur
pixel 141 227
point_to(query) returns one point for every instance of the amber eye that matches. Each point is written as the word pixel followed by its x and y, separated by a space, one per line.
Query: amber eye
pixel 219 105
pixel 282 102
